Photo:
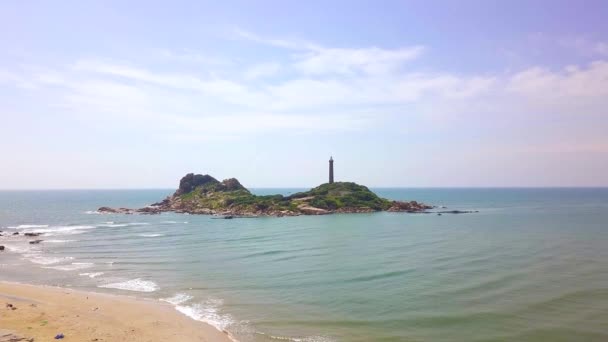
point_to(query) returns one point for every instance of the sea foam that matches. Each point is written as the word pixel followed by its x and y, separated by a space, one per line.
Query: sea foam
pixel 151 235
pixel 124 224
pixel 71 267
pixel 297 339
pixel 45 260
pixel 91 274
pixel 137 285
pixel 208 312
pixel 58 230
pixel 179 298
pixel 26 226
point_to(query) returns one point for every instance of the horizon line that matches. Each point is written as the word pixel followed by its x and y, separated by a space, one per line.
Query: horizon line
pixel 308 187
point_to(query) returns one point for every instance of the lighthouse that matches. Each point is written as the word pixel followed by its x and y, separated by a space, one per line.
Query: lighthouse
pixel 331 170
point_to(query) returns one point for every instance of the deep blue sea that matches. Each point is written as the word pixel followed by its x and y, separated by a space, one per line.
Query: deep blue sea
pixel 531 265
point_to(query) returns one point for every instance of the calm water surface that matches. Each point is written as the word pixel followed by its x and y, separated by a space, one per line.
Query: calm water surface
pixel 532 265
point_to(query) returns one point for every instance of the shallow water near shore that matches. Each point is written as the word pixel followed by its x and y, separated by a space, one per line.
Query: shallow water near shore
pixel 532 265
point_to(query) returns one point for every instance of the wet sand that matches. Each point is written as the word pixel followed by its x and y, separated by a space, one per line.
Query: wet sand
pixel 39 313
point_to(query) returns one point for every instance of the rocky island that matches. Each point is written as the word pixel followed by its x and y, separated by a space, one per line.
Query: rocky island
pixel 203 194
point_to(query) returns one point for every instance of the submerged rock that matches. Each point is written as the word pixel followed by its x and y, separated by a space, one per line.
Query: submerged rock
pixel 108 210
pixel 458 212
pixel 35 242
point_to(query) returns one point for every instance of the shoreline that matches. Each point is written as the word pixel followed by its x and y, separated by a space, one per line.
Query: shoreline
pixel 40 312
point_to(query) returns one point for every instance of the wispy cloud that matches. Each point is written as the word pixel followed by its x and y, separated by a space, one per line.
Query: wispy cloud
pixel 262 70
pixel 313 89
pixel 294 44
pixel 312 58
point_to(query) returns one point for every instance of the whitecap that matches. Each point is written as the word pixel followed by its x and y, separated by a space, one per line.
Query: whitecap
pixel 298 339
pixel 179 298
pixel 113 225
pixel 57 241
pixel 91 274
pixel 313 339
pixel 25 226
pixel 45 260
pixel 151 235
pixel 133 285
pixel 92 212
pixel 124 224
pixel 59 230
pixel 19 248
pixel 72 267
pixel 208 312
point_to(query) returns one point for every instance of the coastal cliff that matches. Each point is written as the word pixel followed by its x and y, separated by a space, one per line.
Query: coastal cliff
pixel 203 194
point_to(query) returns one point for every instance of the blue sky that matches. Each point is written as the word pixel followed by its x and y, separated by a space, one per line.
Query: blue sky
pixel 446 93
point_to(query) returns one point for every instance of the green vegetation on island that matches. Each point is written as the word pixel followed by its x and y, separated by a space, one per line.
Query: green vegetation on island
pixel 203 194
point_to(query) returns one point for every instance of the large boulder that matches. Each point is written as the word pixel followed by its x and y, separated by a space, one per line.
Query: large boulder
pixel 191 181
pixel 232 184
pixel 412 207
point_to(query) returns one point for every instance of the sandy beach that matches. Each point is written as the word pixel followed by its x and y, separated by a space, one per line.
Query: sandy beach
pixel 39 313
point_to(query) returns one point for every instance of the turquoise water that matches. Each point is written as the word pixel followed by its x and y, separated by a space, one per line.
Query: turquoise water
pixel 532 265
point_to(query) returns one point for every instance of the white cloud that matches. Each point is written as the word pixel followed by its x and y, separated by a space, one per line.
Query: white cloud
pixel 350 86
pixel 194 57
pixel 262 70
pixel 227 90
pixel 572 83
pixel 373 60
pixel 315 59
pixel 582 45
pixel 601 48
pixel 281 43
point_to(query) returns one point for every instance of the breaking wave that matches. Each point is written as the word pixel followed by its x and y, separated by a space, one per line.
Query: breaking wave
pixel 137 285
pixel 208 312
pixel 71 267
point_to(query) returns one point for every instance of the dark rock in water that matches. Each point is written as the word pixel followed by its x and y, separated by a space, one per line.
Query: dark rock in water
pixel 151 210
pixel 458 212
pixel 32 234
pixel 438 214
pixel 108 210
pixel 35 242
pixel 228 217
pixel 16 233
pixel 1 248
pixel 410 207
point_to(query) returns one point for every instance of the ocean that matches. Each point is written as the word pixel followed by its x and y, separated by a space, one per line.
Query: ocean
pixel 531 265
